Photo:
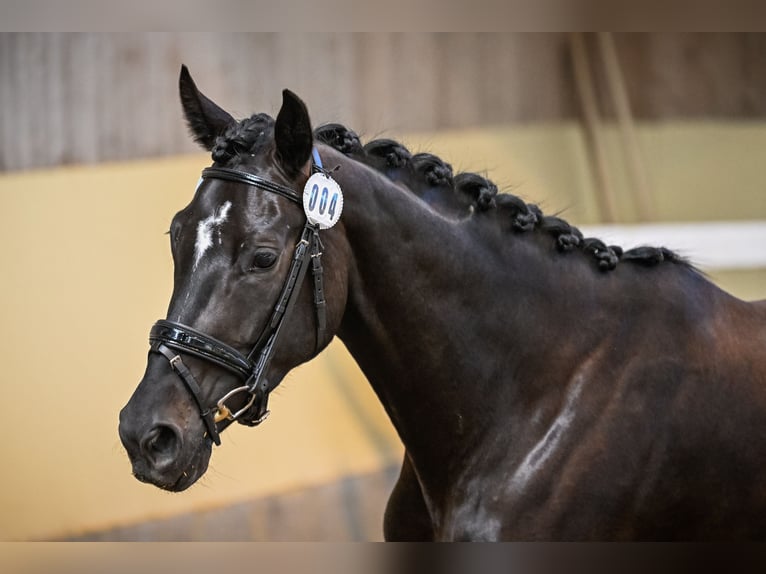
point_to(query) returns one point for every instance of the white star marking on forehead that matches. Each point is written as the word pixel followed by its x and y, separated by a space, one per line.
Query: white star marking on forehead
pixel 205 231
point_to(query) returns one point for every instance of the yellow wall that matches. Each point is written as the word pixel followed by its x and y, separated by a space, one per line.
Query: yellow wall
pixel 86 270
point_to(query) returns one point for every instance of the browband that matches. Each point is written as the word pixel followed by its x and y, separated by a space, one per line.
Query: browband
pixel 250 179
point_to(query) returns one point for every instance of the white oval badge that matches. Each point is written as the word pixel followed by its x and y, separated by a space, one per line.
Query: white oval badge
pixel 322 201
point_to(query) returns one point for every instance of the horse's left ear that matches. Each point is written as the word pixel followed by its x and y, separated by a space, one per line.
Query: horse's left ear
pixel 292 133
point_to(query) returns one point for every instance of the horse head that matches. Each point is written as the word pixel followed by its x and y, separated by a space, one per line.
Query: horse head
pixel 238 319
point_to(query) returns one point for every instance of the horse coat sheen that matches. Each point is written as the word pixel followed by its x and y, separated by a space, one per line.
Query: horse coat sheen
pixel 545 385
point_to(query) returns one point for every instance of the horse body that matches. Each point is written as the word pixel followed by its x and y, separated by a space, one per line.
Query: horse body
pixel 583 405
pixel 537 395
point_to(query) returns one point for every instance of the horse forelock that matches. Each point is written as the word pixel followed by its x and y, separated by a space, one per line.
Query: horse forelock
pixel 477 193
pixel 245 138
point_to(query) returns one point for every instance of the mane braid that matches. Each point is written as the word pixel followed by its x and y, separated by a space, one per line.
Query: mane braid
pixel 394 153
pixel 425 174
pixel 340 138
pixel 435 171
pixel 479 190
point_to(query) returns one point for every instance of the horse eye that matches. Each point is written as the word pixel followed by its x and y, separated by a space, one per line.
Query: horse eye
pixel 264 259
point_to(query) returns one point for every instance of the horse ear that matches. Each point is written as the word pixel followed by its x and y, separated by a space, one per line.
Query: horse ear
pixel 205 119
pixel 292 133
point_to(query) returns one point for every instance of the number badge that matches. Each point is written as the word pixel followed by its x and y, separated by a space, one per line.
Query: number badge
pixel 322 201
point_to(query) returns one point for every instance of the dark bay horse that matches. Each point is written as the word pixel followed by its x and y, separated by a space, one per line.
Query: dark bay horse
pixel 546 386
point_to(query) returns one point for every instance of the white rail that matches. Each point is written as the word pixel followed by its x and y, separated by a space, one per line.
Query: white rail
pixel 709 245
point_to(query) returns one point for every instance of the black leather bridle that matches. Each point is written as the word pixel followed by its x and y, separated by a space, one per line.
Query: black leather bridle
pixel 169 338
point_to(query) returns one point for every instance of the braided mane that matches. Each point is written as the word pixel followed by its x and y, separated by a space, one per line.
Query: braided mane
pixel 429 177
pixel 432 179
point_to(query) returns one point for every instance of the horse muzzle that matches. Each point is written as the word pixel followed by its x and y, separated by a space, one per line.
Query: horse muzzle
pixel 164 451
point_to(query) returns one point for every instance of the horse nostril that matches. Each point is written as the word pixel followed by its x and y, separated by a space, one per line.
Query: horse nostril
pixel 160 445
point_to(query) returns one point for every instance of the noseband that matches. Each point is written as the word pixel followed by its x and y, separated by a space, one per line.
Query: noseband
pixel 169 338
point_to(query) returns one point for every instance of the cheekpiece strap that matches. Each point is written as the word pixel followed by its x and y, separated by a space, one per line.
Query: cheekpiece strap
pixel 177 364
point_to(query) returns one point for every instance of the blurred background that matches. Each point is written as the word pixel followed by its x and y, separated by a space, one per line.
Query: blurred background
pixel 635 138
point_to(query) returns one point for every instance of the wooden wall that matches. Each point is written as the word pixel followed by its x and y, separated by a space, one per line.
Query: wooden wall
pixel 85 98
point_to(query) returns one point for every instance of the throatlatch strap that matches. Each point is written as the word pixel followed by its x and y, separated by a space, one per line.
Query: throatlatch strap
pixel 319 301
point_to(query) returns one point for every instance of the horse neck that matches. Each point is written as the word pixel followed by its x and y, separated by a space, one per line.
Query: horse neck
pixel 422 322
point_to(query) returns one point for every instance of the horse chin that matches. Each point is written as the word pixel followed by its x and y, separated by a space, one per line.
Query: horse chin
pixel 196 467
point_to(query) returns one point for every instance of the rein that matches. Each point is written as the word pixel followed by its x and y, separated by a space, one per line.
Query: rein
pixel 169 338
